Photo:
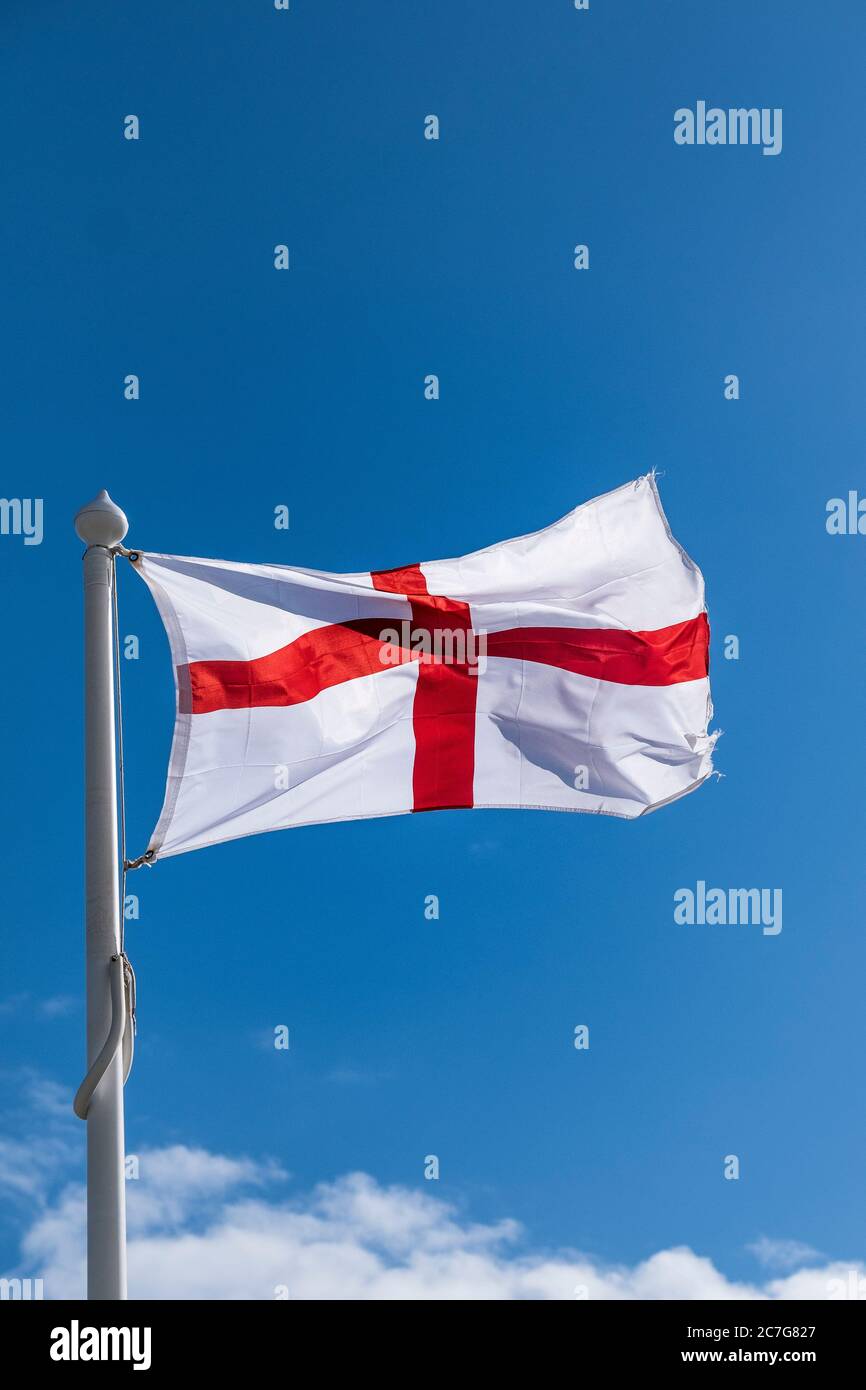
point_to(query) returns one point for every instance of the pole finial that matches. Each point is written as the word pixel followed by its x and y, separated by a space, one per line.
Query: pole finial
pixel 101 522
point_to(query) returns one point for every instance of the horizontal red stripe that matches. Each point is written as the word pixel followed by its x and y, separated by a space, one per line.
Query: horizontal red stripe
pixel 315 661
pixel 663 657
pixel 327 656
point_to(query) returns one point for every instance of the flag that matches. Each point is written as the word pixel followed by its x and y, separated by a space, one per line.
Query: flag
pixel 563 670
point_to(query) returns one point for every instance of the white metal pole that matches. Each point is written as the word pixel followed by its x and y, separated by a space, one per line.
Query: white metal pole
pixel 101 525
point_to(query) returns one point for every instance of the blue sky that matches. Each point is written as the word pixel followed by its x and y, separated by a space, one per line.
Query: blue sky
pixel 305 388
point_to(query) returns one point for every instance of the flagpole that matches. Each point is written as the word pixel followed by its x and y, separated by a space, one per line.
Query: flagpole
pixel 101 525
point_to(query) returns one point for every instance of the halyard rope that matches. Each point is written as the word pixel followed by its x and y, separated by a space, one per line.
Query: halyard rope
pixel 147 857
pixel 120 773
pixel 128 972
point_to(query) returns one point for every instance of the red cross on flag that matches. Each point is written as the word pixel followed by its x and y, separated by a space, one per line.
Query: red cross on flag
pixel 564 670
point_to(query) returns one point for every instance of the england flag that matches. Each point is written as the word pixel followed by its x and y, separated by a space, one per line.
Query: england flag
pixel 564 670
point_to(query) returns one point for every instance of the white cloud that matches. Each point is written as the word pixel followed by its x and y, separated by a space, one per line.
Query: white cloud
pixel 27 1169
pixel 195 1233
pixel 42 1142
pixel 843 1279
pixel 207 1225
pixel 178 1185
pixel 783 1254
pixel 58 1006
pixel 47 1097
pixel 357 1076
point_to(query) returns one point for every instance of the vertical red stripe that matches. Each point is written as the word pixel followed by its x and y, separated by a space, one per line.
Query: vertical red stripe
pixel 407 579
pixel 443 715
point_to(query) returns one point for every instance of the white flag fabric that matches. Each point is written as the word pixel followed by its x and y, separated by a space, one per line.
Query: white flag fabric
pixel 563 670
